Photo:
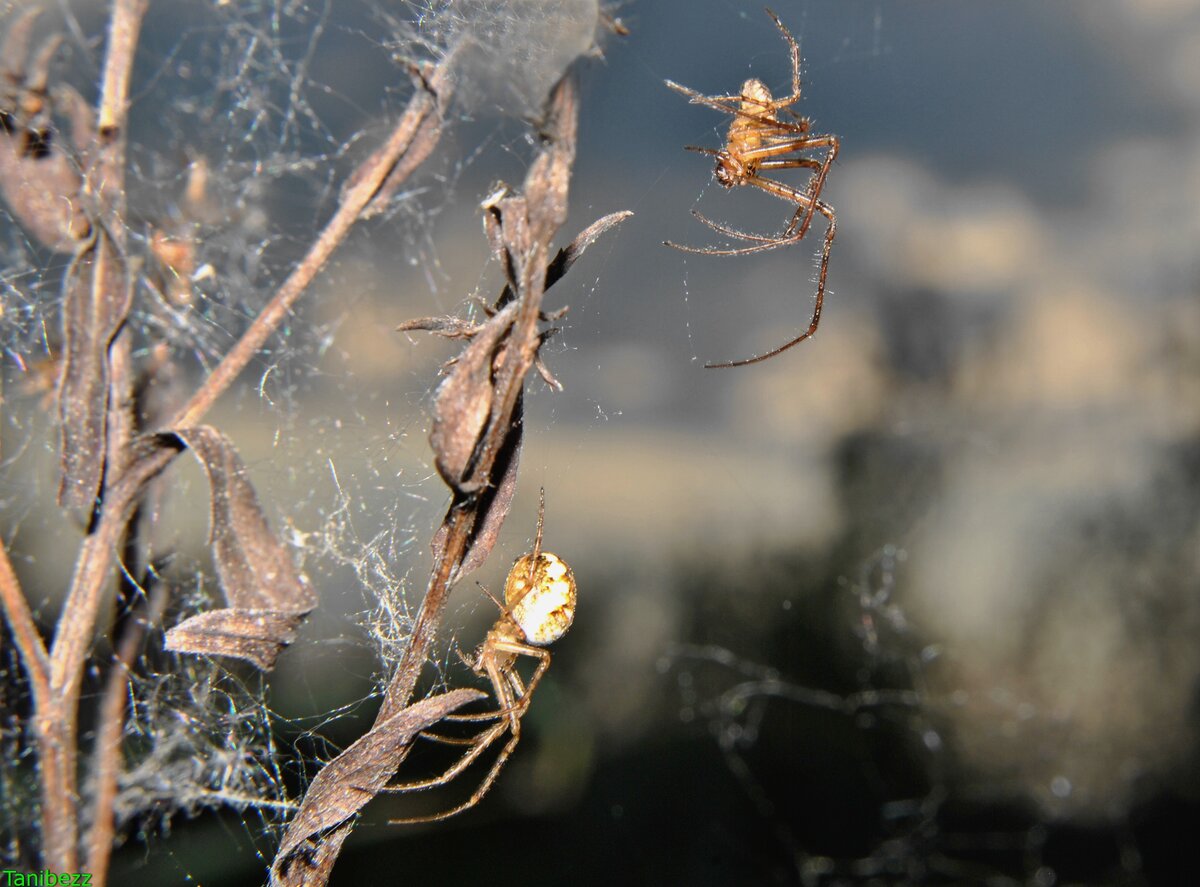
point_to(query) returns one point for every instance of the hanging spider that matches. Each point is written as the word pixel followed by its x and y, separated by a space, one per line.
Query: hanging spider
pixel 538 608
pixel 758 142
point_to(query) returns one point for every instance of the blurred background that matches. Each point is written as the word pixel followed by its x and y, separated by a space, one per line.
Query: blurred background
pixel 914 602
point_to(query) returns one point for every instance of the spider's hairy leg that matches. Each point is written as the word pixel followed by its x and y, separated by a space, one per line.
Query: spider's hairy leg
pixel 830 233
pixel 511 707
pixel 831 145
pixel 774 241
pixel 803 201
pixel 483 788
pixel 797 227
pixel 794 47
pixel 506 683
pixel 543 657
pixel 478 747
pixel 447 740
pixel 707 152
pixel 773 156
pixel 726 103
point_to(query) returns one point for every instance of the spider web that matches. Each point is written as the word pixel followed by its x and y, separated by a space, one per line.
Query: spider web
pixel 922 569
pixel 245 119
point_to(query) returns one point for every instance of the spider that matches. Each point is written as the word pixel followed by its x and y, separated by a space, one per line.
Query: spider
pixel 538 608
pixel 759 141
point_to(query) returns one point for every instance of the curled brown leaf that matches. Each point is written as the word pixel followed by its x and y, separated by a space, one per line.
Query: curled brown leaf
pixel 267 596
pixel 464 400
pixel 347 783
pixel 96 300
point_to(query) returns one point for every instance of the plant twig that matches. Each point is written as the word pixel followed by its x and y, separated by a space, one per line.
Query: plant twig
pixel 538 216
pixel 25 633
pixel 420 119
pixel 106 758
pixel 476 441
pixel 56 724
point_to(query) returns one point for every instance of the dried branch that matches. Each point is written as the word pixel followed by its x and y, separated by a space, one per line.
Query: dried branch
pixel 102 293
pixel 421 120
pixel 526 225
pixel 25 633
pixel 58 733
pixel 106 756
pixel 477 426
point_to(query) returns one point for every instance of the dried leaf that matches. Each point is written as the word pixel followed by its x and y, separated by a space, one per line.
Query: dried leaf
pixel 347 783
pixel 569 254
pixel 549 176
pixel 493 506
pixel 15 50
pixel 39 180
pixel 95 303
pixel 267 596
pixel 464 400
pixel 449 327
pixel 258 636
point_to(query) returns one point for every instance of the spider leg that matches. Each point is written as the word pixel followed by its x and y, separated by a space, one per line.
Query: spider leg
pixel 794 163
pixel 509 689
pixel 792 234
pixel 774 156
pixel 831 144
pixel 796 230
pixel 768 159
pixel 481 716
pixel 727 103
pixel 766 243
pixel 543 657
pixel 798 226
pixel 830 232
pixel 523 693
pixel 503 693
pixel 478 747
pixel 794 47
pixel 479 792
pixel 774 241
pixel 510 707
pixel 448 740
pixel 794 137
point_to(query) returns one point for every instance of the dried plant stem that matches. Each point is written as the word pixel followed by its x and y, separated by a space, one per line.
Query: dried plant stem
pixel 106 766
pixel 56 720
pixel 414 125
pixel 58 735
pixel 57 712
pixel 25 633
pixel 460 521
pixel 547 179
pixel 114 93
pixel 478 463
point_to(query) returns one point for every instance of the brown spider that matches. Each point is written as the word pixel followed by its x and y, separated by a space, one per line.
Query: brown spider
pixel 759 141
pixel 538 608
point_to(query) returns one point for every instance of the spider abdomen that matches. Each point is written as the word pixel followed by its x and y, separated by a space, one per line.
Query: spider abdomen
pixel 541 597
